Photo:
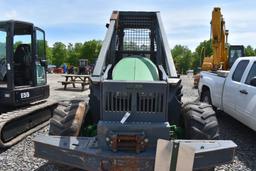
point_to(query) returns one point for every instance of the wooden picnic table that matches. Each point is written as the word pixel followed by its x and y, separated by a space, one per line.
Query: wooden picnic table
pixel 75 79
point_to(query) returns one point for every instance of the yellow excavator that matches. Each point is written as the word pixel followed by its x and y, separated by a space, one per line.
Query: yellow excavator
pixel 224 55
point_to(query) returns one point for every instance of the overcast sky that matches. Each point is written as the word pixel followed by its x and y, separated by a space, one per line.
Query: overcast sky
pixel 185 22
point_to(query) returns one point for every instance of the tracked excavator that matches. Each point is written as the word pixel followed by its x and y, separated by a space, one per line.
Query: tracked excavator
pixel 23 81
pixel 224 55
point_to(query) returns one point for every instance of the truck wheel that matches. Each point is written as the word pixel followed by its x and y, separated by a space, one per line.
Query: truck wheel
pixel 200 121
pixel 206 97
pixel 67 118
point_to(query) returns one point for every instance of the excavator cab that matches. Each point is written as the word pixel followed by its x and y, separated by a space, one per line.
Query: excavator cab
pixel 22 63
pixel 235 51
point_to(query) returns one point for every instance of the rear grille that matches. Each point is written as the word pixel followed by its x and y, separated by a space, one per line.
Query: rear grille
pixel 122 102
pixel 118 102
pixel 152 102
pixel 146 102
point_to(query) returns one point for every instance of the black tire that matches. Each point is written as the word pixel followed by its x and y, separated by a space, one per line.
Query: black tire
pixel 175 106
pixel 200 121
pixel 179 93
pixel 63 117
pixel 206 97
pixel 61 124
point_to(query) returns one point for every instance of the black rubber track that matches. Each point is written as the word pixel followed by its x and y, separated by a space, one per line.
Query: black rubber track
pixel 16 124
pixel 63 116
pixel 200 121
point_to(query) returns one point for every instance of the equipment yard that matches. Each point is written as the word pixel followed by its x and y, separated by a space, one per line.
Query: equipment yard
pixel 157 92
pixel 20 156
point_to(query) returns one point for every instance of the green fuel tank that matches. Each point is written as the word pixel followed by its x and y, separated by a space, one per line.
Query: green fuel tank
pixel 135 68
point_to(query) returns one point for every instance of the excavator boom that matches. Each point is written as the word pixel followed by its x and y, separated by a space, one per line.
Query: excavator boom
pixel 219 36
pixel 223 55
pixel 219 40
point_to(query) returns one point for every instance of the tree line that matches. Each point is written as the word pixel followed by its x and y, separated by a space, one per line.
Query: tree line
pixel 184 58
pixel 60 53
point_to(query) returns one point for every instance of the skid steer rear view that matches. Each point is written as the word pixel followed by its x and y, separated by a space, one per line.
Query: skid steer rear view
pixel 135 99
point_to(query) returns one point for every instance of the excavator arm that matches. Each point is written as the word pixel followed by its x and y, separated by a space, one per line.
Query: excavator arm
pixel 219 36
pixel 219 40
pixel 221 59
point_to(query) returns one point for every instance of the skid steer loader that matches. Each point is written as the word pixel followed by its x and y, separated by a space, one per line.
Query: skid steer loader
pixel 135 100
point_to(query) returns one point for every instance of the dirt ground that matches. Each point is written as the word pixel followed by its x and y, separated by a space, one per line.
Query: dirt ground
pixel 57 91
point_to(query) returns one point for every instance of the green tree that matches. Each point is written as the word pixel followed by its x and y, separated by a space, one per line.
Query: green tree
pixel 71 57
pixel 59 53
pixel 196 61
pixel 49 55
pixel 74 53
pixel 249 51
pixel 204 49
pixel 182 56
pixel 16 44
pixel 91 50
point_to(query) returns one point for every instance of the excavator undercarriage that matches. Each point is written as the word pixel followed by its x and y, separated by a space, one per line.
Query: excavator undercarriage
pixel 18 123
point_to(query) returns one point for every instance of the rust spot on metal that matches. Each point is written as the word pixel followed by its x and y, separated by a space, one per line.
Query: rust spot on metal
pixel 115 15
pixel 128 141
pixel 119 165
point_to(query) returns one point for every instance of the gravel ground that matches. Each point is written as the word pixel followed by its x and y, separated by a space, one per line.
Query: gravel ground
pixel 20 156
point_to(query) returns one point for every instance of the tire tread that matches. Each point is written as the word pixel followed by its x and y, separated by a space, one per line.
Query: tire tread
pixel 63 116
pixel 200 121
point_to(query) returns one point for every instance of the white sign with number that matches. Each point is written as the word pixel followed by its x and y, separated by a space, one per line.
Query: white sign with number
pixel 24 95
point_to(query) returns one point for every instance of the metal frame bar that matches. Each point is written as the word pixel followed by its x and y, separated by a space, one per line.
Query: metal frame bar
pixel 35 53
pixel 97 72
pixel 9 56
pixel 169 60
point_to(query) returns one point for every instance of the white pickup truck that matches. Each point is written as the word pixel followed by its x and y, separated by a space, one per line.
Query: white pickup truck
pixel 234 91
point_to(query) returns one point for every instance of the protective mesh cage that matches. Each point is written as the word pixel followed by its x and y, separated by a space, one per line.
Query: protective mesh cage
pixel 136 39
pixel 137 34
